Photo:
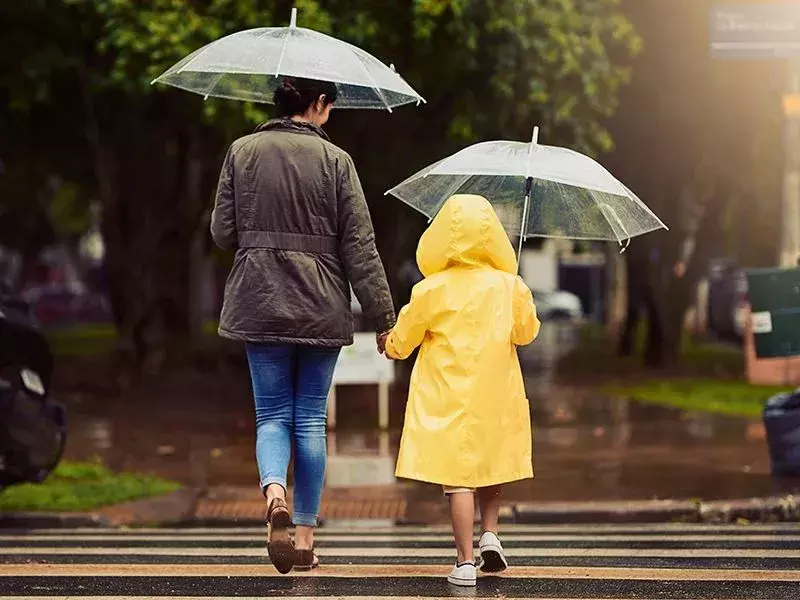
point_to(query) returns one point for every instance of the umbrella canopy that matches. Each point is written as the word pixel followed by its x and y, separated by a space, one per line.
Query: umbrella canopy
pixel 536 190
pixel 248 66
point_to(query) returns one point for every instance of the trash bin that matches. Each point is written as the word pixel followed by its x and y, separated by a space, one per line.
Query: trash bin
pixel 782 423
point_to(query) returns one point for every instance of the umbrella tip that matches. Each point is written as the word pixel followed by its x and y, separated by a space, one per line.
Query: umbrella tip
pixel 293 22
pixel 535 138
pixel 391 66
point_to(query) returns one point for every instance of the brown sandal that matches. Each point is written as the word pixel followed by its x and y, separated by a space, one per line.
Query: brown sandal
pixel 279 545
pixel 305 560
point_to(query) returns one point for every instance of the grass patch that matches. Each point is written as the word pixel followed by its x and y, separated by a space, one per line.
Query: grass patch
pixel 84 339
pixel 81 486
pixel 596 356
pixel 727 397
pixel 96 339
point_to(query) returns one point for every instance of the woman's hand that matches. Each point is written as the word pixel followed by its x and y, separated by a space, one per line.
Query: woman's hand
pixel 380 340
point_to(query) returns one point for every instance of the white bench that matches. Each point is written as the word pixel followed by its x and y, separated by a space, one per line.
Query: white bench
pixel 360 364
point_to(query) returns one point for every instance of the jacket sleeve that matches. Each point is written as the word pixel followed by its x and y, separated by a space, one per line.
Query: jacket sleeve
pixel 223 218
pixel 412 325
pixel 362 264
pixel 526 323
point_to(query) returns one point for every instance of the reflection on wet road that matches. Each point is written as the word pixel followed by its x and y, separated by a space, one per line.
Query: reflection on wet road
pixel 587 447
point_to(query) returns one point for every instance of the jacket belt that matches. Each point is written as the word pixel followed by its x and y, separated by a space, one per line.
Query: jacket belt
pixel 295 242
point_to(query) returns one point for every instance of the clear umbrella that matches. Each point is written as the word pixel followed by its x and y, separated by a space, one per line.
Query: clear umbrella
pixel 537 190
pixel 248 66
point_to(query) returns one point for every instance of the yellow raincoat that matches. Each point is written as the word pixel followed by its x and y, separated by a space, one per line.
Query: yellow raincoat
pixel 467 420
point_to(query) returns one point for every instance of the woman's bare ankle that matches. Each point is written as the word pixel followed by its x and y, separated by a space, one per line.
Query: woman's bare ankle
pixel 274 490
pixel 304 538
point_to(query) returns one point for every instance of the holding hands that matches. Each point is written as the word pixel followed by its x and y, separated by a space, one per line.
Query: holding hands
pixel 380 340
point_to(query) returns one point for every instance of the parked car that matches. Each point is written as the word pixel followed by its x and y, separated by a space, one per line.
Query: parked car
pixel 557 305
pixel 62 303
pixel 32 426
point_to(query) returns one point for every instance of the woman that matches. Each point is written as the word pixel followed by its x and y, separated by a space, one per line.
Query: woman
pixel 290 204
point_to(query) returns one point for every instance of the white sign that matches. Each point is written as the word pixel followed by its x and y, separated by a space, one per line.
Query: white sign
pixel 361 363
pixel 762 322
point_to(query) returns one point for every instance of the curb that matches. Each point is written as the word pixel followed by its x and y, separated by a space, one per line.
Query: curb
pixel 648 511
pixel 179 510
pixel 761 510
pixel 52 521
pixel 167 510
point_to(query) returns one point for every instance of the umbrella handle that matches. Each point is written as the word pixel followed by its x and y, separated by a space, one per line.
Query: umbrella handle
pixel 525 210
pixel 528 188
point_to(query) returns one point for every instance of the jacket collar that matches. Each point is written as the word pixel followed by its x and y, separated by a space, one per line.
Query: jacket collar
pixel 286 124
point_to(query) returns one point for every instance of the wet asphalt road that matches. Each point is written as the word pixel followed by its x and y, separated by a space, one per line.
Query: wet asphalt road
pixel 599 562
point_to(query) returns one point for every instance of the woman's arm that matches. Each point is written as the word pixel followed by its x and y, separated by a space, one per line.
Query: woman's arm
pixel 526 323
pixel 412 325
pixel 358 252
pixel 223 218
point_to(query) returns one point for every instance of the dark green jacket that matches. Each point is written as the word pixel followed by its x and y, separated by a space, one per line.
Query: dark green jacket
pixel 290 204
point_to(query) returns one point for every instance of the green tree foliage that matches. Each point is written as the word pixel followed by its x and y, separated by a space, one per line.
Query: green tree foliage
pixel 79 104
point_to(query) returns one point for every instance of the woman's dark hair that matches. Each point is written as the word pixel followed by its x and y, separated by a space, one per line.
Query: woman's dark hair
pixel 294 95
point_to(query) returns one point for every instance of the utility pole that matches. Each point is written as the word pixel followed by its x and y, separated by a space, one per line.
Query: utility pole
pixel 770 31
pixel 790 235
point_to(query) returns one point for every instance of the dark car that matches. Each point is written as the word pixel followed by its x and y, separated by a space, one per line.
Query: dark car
pixel 60 303
pixel 32 426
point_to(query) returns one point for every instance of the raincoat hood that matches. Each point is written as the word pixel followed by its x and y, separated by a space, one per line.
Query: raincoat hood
pixel 466 232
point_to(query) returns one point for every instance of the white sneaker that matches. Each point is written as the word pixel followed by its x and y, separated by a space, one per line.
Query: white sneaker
pixel 465 575
pixel 492 560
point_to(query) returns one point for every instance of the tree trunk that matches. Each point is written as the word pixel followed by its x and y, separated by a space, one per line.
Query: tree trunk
pixel 665 312
pixel 635 292
pixel 151 182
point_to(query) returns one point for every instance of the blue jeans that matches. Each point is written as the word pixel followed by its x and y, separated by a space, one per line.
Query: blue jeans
pixel 290 386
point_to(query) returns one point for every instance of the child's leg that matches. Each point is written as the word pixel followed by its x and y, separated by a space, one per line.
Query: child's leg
pixel 462 515
pixel 489 500
pixel 493 558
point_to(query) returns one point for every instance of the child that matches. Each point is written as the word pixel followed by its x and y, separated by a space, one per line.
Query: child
pixel 467 424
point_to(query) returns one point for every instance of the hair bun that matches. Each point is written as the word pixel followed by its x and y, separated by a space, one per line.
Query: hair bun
pixel 287 84
pixel 294 95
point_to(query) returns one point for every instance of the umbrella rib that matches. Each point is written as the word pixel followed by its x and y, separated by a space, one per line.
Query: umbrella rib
pixel 445 197
pixel 374 84
pixel 635 198
pixel 283 51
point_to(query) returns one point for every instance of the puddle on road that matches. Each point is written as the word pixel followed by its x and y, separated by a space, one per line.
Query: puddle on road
pixel 586 447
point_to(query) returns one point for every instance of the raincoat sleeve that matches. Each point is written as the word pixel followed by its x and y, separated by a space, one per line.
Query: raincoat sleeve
pixel 412 325
pixel 358 252
pixel 526 323
pixel 223 218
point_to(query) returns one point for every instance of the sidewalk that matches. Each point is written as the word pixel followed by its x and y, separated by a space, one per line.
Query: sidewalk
pixel 388 506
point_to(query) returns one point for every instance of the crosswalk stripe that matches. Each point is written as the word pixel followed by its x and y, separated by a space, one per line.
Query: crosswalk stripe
pixel 680 561
pixel 426 552
pixel 376 539
pixel 341 571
